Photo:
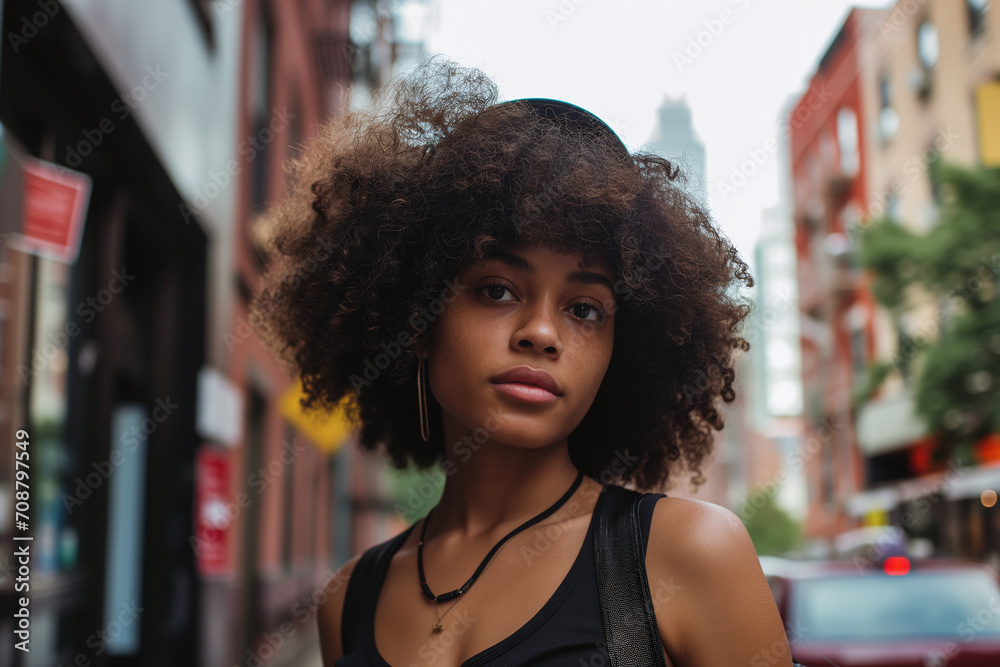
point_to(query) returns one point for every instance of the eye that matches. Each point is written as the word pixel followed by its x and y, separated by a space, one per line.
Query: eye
pixel 589 308
pixel 494 288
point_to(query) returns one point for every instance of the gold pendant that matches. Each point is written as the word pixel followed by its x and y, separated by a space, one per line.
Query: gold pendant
pixel 437 627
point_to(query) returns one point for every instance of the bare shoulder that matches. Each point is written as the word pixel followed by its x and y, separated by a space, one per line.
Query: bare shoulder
pixel 704 575
pixel 698 533
pixel 330 609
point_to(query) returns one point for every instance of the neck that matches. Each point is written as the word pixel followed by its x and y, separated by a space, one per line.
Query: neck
pixel 494 487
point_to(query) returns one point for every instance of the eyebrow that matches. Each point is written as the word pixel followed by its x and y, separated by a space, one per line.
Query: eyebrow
pixel 579 277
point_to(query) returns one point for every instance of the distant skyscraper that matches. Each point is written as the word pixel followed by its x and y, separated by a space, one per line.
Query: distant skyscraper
pixel 674 138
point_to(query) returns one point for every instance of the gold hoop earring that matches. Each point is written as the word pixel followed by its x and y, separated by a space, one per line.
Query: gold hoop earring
pixel 422 402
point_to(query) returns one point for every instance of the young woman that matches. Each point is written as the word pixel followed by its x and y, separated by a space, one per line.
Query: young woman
pixel 513 296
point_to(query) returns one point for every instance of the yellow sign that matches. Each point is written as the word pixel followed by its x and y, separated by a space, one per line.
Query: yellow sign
pixel 329 430
pixel 875 517
pixel 988 110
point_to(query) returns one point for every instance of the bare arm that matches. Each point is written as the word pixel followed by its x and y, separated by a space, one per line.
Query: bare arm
pixel 710 596
pixel 329 613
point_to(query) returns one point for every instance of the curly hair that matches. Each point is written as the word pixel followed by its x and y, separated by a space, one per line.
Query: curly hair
pixel 387 203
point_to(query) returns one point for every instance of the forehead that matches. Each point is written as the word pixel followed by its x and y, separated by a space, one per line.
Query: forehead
pixel 533 260
pixel 537 255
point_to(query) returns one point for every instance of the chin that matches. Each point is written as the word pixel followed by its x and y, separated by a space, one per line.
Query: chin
pixel 525 438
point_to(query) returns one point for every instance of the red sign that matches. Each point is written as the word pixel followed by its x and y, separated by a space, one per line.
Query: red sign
pixel 987 449
pixel 213 513
pixel 55 202
pixel 925 455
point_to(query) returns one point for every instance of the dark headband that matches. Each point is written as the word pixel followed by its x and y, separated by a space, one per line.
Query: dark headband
pixel 577 116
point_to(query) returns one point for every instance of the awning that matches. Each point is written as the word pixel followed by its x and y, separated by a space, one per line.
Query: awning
pixel 971 482
pixel 860 504
pixel 889 424
pixel 955 483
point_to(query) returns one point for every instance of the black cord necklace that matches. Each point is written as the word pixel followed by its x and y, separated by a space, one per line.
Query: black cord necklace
pixel 444 597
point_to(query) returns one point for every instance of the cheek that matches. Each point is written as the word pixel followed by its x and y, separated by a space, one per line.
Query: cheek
pixel 592 346
pixel 598 360
pixel 597 369
pixel 460 349
pixel 463 337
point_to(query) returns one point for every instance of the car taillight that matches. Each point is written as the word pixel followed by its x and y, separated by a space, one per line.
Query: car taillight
pixel 896 565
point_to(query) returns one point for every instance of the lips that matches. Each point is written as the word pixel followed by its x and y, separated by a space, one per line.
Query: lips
pixel 530 376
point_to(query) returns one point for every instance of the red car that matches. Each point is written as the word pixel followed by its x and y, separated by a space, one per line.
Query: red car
pixel 897 612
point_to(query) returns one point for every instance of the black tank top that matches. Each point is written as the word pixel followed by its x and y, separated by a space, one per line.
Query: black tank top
pixel 566 631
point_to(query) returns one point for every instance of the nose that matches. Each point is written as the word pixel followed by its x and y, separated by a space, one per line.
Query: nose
pixel 539 330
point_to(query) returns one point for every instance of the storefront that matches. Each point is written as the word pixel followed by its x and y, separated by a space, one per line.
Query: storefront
pixel 100 354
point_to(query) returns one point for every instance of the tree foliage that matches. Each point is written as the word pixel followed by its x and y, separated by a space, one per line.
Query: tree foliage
pixel 773 531
pixel 957 263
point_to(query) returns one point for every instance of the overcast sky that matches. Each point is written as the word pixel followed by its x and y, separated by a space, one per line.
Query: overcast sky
pixel 619 58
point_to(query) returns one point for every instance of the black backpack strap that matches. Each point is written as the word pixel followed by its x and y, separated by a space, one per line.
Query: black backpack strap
pixel 358 586
pixel 354 599
pixel 630 628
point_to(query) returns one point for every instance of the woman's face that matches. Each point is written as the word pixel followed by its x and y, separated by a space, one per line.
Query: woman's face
pixel 523 307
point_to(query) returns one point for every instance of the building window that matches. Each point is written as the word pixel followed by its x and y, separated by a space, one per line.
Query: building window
pixel 888 119
pixel 859 356
pixel 260 107
pixel 975 10
pixel 829 462
pixel 927 44
pixel 48 412
pixel 255 434
pixel 933 209
pixel 294 147
pixel 935 182
pixel 827 148
pixel 850 222
pixel 312 512
pixel 815 491
pixel 907 348
pixel 203 12
pixel 927 53
pixel 847 140
pixel 367 28
pixel 894 208
pixel 288 506
pixel 814 172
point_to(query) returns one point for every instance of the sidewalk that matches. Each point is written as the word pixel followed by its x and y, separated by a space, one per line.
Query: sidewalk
pixel 302 652
pixel 310 658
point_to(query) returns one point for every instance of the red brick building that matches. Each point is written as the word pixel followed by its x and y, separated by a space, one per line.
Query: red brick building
pixel 828 158
pixel 322 504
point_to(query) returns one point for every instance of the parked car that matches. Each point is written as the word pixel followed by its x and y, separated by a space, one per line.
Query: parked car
pixel 894 612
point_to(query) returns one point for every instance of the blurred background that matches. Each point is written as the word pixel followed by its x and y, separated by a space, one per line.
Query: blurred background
pixel 185 511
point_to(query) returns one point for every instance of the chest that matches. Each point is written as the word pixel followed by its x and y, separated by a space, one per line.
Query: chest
pixel 525 582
